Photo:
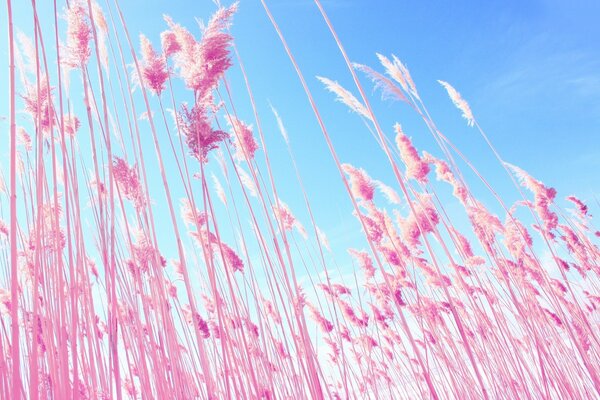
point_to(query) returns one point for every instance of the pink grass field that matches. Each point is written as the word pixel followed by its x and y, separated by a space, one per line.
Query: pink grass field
pixel 146 253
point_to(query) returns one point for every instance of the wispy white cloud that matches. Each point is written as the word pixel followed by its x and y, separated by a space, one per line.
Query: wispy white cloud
pixel 541 69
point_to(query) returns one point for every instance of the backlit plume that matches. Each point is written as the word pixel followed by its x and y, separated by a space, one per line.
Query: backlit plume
pixel 72 124
pixel 129 183
pixel 345 97
pixel 154 68
pixel 416 168
pixel 459 102
pixel 38 104
pixel 360 183
pixel 243 139
pixel 200 137
pixel 79 35
pixel 202 63
pixel 169 44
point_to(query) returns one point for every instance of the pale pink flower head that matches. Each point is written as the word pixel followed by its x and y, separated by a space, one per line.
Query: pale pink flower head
pixel 144 253
pixel 252 328
pixel 169 44
pixel 391 256
pixel 195 319
pixel 485 225
pixel 432 277
pixel 325 288
pixel 186 56
pixel 582 336
pixel 388 89
pixel 288 221
pixel 71 124
pixel 443 173
pixel 323 240
pixel 38 104
pixel 400 73
pixel 421 222
pixel 129 183
pixel 98 187
pixel 171 288
pixel 367 342
pixel 50 235
pixel 99 18
pixel 324 324
pixel 219 189
pixel 200 137
pixel 380 318
pixel 130 387
pixel 214 46
pixel 284 215
pixel 203 63
pixel 338 289
pixel 209 303
pixel 299 301
pixel 430 310
pixel 365 262
pixel 416 168
pixel 243 140
pixel 345 97
pixel 543 195
pixel 459 102
pixel 582 208
pixel 272 312
pixel 154 68
pixel 462 243
pixel 247 181
pixel 360 319
pixel 192 216
pixel 26 59
pixel 24 138
pixel 232 260
pixel 334 351
pixel 373 228
pixel 361 184
pixel 388 192
pixel 516 237
pixel 552 316
pixel 79 35
pixel 177 267
pixel 182 39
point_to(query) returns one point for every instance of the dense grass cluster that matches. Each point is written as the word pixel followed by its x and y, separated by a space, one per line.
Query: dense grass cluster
pixel 104 297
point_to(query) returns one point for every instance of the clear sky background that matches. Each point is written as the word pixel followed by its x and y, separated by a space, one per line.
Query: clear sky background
pixel 529 69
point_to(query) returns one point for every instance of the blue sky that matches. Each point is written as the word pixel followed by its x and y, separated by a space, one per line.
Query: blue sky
pixel 529 69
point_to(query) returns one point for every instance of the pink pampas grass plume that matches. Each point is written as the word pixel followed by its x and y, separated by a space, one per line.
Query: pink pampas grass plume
pixel 79 34
pixel 243 139
pixel 416 168
pixel 361 184
pixel 459 102
pixel 154 68
pixel 345 97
